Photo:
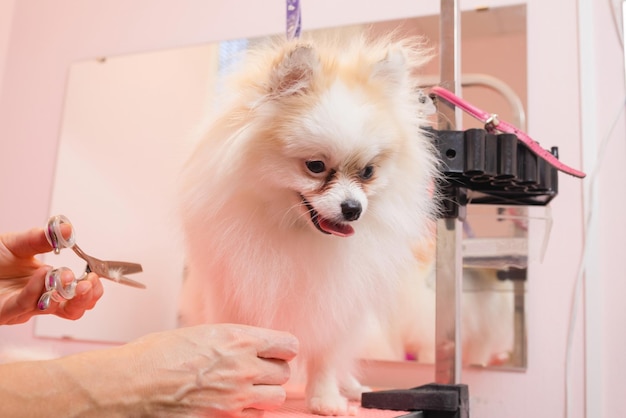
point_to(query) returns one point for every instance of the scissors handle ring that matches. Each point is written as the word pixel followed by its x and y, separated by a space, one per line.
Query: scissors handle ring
pixel 55 290
pixel 54 235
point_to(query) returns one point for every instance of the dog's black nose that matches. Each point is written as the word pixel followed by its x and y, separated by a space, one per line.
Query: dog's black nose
pixel 351 210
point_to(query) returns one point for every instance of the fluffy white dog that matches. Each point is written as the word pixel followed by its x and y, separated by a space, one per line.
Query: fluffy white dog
pixel 304 199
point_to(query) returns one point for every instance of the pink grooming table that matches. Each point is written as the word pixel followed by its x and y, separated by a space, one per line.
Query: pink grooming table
pixel 297 408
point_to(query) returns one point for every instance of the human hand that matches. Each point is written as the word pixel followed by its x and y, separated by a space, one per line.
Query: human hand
pixel 217 371
pixel 22 279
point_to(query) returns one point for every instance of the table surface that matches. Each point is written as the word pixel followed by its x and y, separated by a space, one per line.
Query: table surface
pixel 297 408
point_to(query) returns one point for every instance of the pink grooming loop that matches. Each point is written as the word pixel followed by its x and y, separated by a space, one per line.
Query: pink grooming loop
pixel 492 123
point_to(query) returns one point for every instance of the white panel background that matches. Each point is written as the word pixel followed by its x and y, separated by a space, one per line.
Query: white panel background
pixel 127 128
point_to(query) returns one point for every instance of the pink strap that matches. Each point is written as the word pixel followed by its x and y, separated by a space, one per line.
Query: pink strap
pixel 492 123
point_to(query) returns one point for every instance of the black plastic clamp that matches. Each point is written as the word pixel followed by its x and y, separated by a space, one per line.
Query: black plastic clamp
pixel 496 168
pixel 432 400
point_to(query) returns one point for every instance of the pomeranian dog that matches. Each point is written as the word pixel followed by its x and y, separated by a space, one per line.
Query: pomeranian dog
pixel 305 196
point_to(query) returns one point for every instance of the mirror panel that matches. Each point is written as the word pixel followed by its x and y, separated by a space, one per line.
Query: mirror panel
pixel 128 125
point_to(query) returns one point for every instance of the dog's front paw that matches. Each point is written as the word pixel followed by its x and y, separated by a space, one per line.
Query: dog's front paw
pixel 352 389
pixel 331 405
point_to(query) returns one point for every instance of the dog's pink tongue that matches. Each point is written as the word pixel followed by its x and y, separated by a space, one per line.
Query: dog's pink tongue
pixel 341 230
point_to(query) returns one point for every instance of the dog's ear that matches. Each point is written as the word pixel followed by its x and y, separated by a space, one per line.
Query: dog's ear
pixel 393 68
pixel 295 73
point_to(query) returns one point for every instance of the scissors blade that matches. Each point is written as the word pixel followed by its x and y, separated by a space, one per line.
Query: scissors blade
pixel 125 267
pixel 115 270
pixel 126 281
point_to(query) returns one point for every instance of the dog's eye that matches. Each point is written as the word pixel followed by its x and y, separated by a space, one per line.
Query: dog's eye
pixel 316 166
pixel 367 172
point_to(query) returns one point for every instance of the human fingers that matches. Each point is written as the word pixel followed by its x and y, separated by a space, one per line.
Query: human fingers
pixel 87 294
pixel 88 291
pixel 20 304
pixel 32 242
pixel 274 344
pixel 271 372
pixel 267 397
pixel 27 299
pixel 54 306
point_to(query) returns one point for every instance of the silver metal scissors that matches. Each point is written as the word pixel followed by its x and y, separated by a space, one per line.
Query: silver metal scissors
pixel 112 270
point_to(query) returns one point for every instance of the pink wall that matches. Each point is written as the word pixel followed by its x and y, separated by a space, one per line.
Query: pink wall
pixel 46 37
pixel 605 285
pixel 6 18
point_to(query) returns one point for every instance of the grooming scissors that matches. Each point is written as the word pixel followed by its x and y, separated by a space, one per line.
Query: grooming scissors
pixel 112 270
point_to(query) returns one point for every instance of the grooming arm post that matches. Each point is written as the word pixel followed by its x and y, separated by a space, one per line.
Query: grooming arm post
pixel 449 228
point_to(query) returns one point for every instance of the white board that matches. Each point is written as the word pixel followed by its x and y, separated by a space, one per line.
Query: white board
pixel 126 130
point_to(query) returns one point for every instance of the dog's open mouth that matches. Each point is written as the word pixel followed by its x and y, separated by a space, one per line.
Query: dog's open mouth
pixel 326 226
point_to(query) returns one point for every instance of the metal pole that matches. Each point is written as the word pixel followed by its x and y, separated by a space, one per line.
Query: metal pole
pixel 450 61
pixel 449 229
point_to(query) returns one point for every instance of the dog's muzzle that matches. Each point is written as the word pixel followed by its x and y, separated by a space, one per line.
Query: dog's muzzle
pixel 350 210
